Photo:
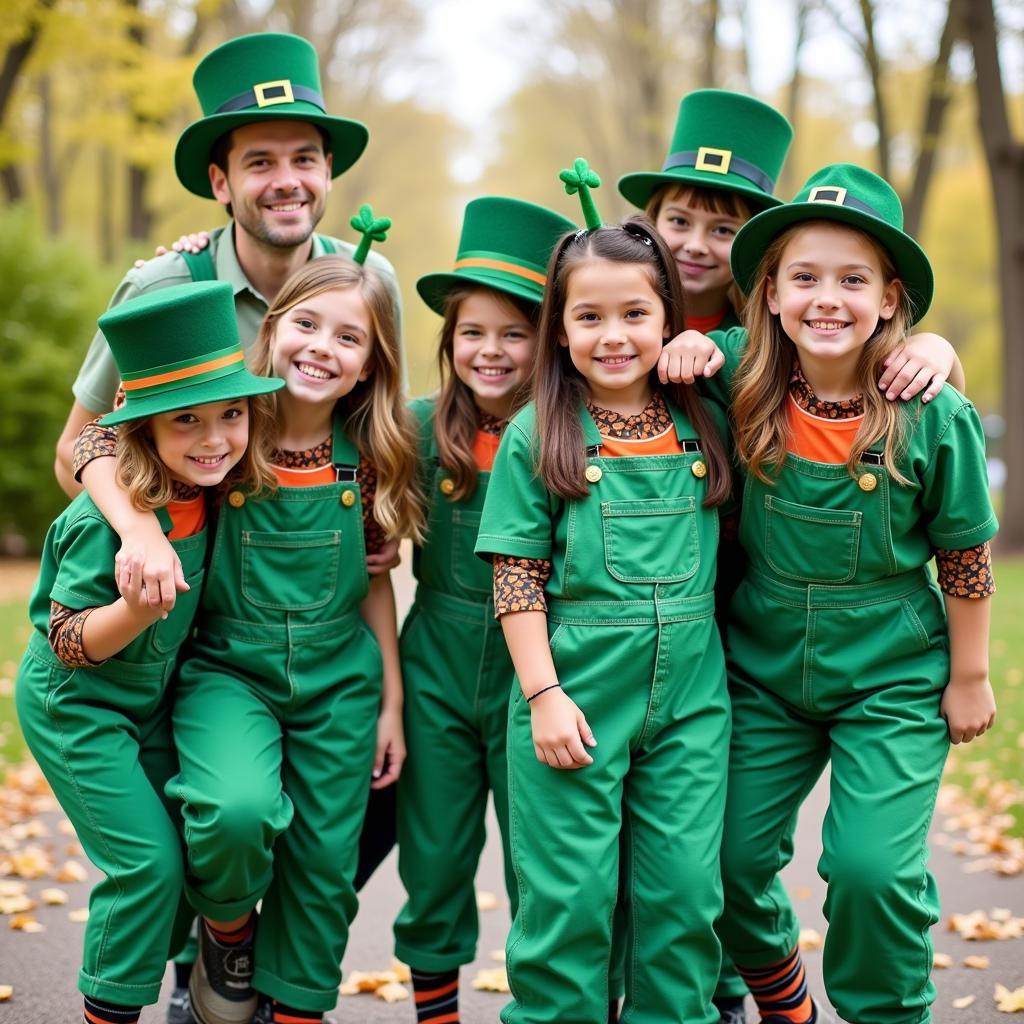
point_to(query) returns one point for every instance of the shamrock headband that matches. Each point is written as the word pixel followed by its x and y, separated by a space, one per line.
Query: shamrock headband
pixel 373 229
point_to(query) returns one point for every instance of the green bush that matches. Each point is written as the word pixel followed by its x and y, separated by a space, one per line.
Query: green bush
pixel 50 296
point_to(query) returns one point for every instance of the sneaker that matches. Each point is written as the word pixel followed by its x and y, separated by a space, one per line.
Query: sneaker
pixel 732 1014
pixel 820 1016
pixel 179 1008
pixel 220 989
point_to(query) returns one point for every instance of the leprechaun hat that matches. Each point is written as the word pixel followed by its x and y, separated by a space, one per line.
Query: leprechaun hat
pixel 178 347
pixel 722 140
pixel 264 77
pixel 846 194
pixel 505 244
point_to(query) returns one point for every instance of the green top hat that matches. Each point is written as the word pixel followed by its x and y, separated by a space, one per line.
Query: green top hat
pixel 722 140
pixel 177 347
pixel 849 195
pixel 260 77
pixel 505 244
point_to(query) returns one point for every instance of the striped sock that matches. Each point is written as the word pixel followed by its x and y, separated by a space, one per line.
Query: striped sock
pixel 437 997
pixel 98 1011
pixel 780 991
pixel 289 1015
pixel 233 936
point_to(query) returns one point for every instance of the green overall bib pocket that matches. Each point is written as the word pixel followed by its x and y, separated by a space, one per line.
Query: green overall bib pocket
pixel 811 545
pixel 651 541
pixel 170 633
pixel 469 572
pixel 290 571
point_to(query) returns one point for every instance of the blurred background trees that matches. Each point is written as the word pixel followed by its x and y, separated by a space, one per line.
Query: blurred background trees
pixel 93 94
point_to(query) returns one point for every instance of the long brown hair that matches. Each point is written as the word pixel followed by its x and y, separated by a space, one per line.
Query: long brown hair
pixel 761 386
pixel 374 412
pixel 455 418
pixel 559 387
pixel 722 201
pixel 148 483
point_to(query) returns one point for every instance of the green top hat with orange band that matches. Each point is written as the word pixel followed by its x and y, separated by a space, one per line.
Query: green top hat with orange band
pixel 178 347
pixel 845 194
pixel 722 140
pixel 264 77
pixel 505 245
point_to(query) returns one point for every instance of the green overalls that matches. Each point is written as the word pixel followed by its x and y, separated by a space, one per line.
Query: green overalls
pixel 275 722
pixel 102 736
pixel 634 641
pixel 838 652
pixel 457 675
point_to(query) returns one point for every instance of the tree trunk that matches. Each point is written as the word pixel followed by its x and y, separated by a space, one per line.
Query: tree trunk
pixel 140 216
pixel 874 65
pixel 788 184
pixel 1005 157
pixel 709 42
pixel 935 110
pixel 49 170
pixel 105 206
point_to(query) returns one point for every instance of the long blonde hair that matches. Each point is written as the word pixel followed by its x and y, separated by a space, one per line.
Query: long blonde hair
pixel 761 386
pixel 374 413
pixel 148 483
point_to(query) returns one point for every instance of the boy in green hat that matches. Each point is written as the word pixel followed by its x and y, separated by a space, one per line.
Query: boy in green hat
pixel 93 687
pixel 840 648
pixel 267 151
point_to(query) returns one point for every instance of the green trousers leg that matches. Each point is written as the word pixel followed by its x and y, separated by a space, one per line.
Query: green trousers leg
pixel 887 751
pixel 457 682
pixel 91 754
pixel 657 704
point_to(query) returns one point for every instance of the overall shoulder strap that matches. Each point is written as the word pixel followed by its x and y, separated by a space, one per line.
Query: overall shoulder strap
pixel 200 265
pixel 328 245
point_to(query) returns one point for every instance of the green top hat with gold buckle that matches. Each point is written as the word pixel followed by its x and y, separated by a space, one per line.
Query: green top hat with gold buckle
pixel 505 244
pixel 846 194
pixel 262 77
pixel 178 347
pixel 722 140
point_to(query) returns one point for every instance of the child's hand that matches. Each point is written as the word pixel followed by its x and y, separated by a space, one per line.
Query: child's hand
pixel 196 241
pixel 147 570
pixel 134 594
pixel 924 359
pixel 387 765
pixel 688 356
pixel 560 730
pixel 969 708
pixel 385 559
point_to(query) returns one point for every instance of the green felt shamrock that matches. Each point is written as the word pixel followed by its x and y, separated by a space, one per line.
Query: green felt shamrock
pixel 582 179
pixel 373 229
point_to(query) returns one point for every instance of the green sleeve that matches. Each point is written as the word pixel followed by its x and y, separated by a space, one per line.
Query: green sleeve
pixel 733 344
pixel 517 516
pixel 958 507
pixel 84 551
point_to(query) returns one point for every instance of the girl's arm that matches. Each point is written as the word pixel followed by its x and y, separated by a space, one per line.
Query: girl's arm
pixel 110 628
pixel 378 611
pixel 688 356
pixel 968 703
pixel 925 359
pixel 559 727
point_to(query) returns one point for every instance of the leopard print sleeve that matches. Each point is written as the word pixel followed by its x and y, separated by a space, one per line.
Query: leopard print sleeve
pixel 373 533
pixel 966 573
pixel 519 584
pixel 65 635
pixel 94 442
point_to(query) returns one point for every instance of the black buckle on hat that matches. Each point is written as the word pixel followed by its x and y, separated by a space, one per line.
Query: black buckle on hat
pixel 269 94
pixel 715 160
pixel 719 161
pixel 828 194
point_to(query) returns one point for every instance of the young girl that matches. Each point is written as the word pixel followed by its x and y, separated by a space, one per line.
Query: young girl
pixel 840 650
pixel 455 664
pixel 279 715
pixel 602 522
pixel 93 688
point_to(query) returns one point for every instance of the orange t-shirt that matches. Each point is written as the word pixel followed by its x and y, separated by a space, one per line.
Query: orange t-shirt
pixel 820 439
pixel 485 447
pixel 704 324
pixel 314 477
pixel 664 444
pixel 187 517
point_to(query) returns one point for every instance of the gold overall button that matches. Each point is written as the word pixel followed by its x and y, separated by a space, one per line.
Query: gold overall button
pixel 699 469
pixel 447 486
pixel 236 499
pixel 348 498
pixel 867 481
pixel 593 474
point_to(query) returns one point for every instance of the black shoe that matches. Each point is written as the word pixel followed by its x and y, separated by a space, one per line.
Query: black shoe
pixel 820 1016
pixel 179 1008
pixel 220 988
pixel 265 1013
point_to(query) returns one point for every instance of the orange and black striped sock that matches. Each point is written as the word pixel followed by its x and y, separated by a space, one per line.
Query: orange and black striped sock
pixel 437 997
pixel 780 991
pixel 233 936
pixel 98 1011
pixel 289 1015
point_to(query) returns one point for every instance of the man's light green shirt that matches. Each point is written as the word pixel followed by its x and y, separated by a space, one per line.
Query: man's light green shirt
pixel 98 379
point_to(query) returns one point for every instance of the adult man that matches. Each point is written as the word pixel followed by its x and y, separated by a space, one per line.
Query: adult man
pixel 267 151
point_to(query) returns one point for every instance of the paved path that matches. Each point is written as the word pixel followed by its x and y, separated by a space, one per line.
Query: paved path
pixel 43 966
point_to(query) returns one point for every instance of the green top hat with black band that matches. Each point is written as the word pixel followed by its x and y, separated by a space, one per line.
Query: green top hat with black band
pixel 505 245
pixel 722 140
pixel 178 347
pixel 263 77
pixel 846 194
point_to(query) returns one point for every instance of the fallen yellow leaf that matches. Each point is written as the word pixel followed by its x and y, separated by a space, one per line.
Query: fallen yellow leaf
pixel 1007 1001
pixel 485 900
pixel 491 979
pixel 21 922
pixel 6 991
pixel 979 963
pixel 392 992
pixel 72 871
pixel 401 971
pixel 810 939
pixel 942 960
pixel 82 914
pixel 54 897
pixel 16 904
pixel 963 1002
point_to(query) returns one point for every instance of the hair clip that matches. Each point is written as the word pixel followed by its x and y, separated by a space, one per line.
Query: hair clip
pixel 373 229
pixel 580 178
pixel 639 235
